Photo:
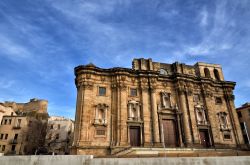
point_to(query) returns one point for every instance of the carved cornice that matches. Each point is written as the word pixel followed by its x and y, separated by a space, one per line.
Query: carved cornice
pixel 122 86
pixel 144 88
pixel 85 84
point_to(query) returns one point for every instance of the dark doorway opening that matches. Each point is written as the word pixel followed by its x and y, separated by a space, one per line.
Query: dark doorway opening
pixel 169 132
pixel 204 138
pixel 135 138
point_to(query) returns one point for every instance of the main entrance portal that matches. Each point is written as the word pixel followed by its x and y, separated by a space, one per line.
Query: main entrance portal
pixel 135 138
pixel 169 132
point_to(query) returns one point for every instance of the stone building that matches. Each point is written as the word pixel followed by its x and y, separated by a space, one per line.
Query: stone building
pixel 154 105
pixel 59 135
pixel 244 117
pixel 4 110
pixel 23 131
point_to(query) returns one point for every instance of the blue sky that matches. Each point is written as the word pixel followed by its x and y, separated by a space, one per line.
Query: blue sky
pixel 41 41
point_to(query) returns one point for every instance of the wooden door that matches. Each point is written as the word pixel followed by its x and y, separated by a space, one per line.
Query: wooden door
pixel 204 138
pixel 169 133
pixel 135 138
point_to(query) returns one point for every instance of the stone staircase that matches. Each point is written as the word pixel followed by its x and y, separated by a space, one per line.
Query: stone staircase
pixel 178 152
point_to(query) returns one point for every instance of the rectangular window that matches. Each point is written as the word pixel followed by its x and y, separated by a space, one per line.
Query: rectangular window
pixel 218 100
pixel 15 137
pixel 58 127
pixel 9 121
pixel 102 91
pixel 133 92
pixel 1 137
pixel 5 121
pixel 248 112
pixel 6 136
pixel 3 148
pixel 13 147
pixel 51 126
pixel 239 114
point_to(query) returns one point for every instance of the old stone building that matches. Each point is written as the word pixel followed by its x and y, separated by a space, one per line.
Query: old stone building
pixel 23 130
pixel 244 118
pixel 59 135
pixel 154 105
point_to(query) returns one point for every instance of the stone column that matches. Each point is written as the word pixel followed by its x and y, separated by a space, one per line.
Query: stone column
pixel 146 117
pixel 211 113
pixel 138 111
pixel 118 130
pixel 156 132
pixel 106 115
pixel 186 123
pixel 236 124
pixel 124 116
pixel 80 95
pixel 129 111
pixel 87 106
pixel 178 114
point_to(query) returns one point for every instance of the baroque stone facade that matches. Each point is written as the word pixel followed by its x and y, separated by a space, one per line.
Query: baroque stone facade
pixel 154 105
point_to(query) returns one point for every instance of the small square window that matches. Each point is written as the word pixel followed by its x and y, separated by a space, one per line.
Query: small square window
pixel 102 91
pixel 133 92
pixel 218 100
pixel 227 136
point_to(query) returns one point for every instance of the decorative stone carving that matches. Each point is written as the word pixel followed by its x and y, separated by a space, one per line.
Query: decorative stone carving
pixel 134 111
pixel 224 126
pixel 200 115
pixel 101 114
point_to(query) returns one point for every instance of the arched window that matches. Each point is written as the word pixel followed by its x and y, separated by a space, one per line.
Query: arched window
pixel 216 74
pixel 163 71
pixel 207 73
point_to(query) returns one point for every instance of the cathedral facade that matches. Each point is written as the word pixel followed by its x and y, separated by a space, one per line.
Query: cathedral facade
pixel 154 105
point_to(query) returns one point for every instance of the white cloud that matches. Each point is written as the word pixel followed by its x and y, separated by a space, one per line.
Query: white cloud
pixel 13 49
pixel 204 17
pixel 5 84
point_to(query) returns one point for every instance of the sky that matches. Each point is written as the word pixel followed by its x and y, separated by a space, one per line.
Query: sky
pixel 41 41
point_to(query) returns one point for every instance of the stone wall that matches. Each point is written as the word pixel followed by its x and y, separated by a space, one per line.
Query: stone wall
pixel 88 160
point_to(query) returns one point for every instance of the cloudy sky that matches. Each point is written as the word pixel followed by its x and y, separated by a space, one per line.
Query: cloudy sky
pixel 41 41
